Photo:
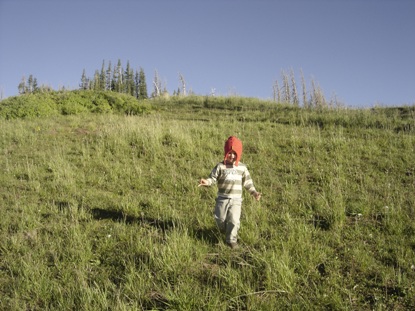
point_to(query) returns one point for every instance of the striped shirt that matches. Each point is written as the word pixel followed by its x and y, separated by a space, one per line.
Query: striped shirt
pixel 231 180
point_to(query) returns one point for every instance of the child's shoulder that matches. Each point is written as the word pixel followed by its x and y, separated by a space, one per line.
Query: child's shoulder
pixel 220 165
pixel 240 165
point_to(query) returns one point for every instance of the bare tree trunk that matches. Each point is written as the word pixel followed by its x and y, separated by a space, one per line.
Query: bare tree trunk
pixel 286 87
pixel 183 81
pixel 277 92
pixel 294 89
pixel 305 102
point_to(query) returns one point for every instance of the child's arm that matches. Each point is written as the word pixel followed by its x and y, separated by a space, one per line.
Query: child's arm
pixel 249 185
pixel 203 182
pixel 257 196
pixel 212 177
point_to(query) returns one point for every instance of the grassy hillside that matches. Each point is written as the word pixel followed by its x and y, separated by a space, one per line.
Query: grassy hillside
pixel 103 212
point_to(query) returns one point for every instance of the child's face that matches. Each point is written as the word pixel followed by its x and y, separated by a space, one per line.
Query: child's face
pixel 231 157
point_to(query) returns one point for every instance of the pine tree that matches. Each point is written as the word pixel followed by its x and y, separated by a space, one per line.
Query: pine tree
pixel 30 84
pixel 102 77
pixel 96 83
pixel 35 85
pixel 84 81
pixel 142 85
pixel 131 83
pixel 136 84
pixel 129 80
pixel 114 79
pixel 108 80
pixel 118 77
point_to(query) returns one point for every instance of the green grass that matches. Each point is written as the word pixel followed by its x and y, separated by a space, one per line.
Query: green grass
pixel 103 212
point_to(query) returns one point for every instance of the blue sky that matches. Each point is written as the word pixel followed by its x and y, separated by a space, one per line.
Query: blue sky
pixel 361 51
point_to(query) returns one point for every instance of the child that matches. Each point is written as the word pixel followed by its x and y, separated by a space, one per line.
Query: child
pixel 231 176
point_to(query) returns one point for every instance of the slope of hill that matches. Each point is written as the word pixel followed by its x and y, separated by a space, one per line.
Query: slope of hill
pixel 101 211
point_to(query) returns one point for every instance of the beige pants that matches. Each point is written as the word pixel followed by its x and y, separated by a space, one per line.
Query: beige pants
pixel 227 216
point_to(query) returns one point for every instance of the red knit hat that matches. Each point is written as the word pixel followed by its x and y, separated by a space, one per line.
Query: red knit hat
pixel 234 144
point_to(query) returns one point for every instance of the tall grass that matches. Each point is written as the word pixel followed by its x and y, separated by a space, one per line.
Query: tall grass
pixel 103 212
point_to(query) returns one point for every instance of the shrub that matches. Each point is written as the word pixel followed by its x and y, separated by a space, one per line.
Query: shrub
pixel 71 103
pixel 28 106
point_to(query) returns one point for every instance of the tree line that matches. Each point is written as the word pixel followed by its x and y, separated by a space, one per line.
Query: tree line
pixel 28 85
pixel 117 79
pixel 133 82
pixel 112 78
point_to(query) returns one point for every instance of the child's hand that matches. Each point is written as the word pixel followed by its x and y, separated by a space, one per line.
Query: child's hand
pixel 203 182
pixel 257 196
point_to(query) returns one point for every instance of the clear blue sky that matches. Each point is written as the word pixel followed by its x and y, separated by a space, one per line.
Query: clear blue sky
pixel 363 51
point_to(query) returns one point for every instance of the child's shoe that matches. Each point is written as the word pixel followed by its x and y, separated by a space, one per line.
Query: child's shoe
pixel 233 245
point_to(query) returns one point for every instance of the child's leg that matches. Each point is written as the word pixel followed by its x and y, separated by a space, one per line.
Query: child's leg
pixel 221 209
pixel 233 220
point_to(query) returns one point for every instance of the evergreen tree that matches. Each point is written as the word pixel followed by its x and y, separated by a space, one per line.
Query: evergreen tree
pixel 118 77
pixel 129 80
pixel 96 83
pixel 142 85
pixel 136 84
pixel 114 85
pixel 102 77
pixel 84 81
pixel 30 84
pixel 35 86
pixel 108 81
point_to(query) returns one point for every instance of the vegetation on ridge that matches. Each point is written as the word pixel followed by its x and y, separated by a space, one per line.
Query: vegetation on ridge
pixel 51 103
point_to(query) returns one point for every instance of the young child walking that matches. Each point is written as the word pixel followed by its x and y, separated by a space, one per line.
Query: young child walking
pixel 231 176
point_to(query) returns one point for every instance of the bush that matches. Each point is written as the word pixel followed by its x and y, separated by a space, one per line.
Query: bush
pixel 28 106
pixel 70 103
